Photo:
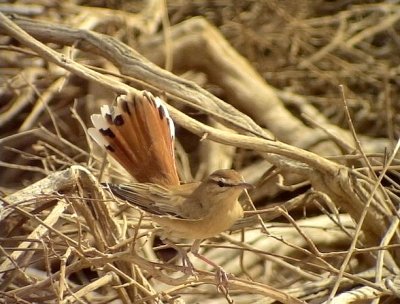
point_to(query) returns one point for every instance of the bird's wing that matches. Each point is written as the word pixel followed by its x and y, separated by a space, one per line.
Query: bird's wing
pixel 153 199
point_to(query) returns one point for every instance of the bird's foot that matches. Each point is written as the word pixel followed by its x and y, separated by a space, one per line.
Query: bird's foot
pixel 221 276
pixel 187 265
pixel 222 280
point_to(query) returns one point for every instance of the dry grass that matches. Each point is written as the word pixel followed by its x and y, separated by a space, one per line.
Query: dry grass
pixel 322 224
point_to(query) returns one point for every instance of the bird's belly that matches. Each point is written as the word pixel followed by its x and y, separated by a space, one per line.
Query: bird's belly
pixel 215 223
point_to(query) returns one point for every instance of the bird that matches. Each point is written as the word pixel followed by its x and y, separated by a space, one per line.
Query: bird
pixel 197 210
pixel 139 133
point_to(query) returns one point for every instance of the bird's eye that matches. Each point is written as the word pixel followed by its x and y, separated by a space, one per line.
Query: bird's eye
pixel 221 183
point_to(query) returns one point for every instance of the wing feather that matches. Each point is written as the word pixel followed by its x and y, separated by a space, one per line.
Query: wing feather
pixel 151 198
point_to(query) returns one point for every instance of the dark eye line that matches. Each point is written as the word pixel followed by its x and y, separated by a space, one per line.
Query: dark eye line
pixel 221 183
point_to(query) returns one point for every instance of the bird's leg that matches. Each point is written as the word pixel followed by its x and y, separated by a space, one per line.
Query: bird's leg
pixel 186 263
pixel 221 276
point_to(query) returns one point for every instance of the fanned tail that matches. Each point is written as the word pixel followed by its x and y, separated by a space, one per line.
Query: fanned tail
pixel 139 134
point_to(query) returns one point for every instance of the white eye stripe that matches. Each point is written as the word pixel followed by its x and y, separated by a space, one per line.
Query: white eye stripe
pixel 219 180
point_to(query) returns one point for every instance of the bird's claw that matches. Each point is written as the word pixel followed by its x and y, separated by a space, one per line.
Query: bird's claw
pixel 188 267
pixel 222 280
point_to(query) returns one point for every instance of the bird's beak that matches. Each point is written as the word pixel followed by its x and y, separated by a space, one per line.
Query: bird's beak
pixel 245 185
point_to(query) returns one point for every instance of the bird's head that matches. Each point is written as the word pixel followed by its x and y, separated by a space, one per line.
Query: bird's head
pixel 225 184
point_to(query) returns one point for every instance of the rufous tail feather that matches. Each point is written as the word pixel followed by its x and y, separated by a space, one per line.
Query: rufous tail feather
pixel 139 133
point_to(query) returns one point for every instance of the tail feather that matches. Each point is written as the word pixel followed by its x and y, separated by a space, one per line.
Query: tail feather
pixel 139 134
